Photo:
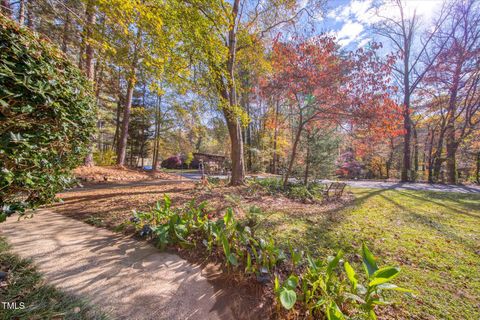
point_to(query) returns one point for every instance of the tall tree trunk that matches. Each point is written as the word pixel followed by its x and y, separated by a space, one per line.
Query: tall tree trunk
pixel 21 13
pixel 451 150
pixel 415 154
pixel 30 14
pixel 478 167
pixel 6 9
pixel 117 123
pixel 156 150
pixel 438 160
pixel 233 122
pixel 89 64
pixel 294 152
pixel 430 157
pixel 451 142
pixel 122 146
pixel 307 162
pixel 407 122
pixel 248 138
pixel 275 137
pixel 388 165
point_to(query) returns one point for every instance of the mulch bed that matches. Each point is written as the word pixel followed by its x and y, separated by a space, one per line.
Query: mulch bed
pixel 102 174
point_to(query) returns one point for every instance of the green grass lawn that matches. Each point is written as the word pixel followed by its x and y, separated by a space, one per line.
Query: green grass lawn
pixel 433 236
pixel 25 285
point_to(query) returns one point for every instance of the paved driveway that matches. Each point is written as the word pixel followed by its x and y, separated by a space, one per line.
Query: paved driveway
pixel 378 184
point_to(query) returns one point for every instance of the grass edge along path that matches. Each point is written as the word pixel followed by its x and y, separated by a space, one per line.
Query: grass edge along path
pixel 33 298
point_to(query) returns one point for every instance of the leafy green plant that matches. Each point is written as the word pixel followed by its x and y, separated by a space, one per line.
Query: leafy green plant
pixel 300 192
pixel 324 288
pixel 192 225
pixel 296 191
pixel 315 287
pixel 47 115
pixel 286 291
pixel 378 282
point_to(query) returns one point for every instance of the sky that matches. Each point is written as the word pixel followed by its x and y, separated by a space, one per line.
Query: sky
pixel 351 20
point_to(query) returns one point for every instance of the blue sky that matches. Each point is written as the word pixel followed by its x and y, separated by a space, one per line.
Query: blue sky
pixel 351 20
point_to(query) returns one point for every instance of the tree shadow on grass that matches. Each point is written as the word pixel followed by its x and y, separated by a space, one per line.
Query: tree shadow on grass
pixel 319 233
pixel 429 196
pixel 325 232
pixel 412 217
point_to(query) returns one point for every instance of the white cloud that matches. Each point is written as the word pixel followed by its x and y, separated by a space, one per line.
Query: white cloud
pixel 368 12
pixel 349 32
pixel 356 16
pixel 363 42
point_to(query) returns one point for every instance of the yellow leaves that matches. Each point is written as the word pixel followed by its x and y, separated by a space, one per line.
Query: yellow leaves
pixel 156 88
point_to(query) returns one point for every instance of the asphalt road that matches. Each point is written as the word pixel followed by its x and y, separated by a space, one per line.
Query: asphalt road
pixel 379 184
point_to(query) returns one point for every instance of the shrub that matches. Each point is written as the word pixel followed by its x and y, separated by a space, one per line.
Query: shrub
pixel 296 191
pixel 47 114
pixel 272 185
pixel 188 159
pixel 105 158
pixel 174 162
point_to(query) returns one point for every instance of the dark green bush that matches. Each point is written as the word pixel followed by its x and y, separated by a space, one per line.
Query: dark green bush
pixel 47 115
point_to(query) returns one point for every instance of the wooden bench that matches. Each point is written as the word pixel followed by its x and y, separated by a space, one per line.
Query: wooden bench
pixel 334 190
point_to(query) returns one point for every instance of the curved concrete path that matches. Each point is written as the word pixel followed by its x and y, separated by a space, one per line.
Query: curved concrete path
pixel 127 279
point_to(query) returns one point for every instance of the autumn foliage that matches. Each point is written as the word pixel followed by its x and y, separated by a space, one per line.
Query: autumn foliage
pixel 323 86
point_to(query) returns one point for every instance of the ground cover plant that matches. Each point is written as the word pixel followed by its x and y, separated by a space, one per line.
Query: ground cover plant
pixel 312 192
pixel 24 284
pixel 314 288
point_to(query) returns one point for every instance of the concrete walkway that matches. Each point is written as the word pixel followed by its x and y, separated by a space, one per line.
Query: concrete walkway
pixel 127 279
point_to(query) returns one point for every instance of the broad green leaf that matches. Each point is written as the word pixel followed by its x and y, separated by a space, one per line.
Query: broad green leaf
pixel 368 261
pixel 248 267
pixel 384 275
pixel 334 312
pixel 354 297
pixel 291 282
pixel 232 258
pixel 166 201
pixel 352 277
pixel 228 216
pixel 276 285
pixel 334 263
pixel 288 298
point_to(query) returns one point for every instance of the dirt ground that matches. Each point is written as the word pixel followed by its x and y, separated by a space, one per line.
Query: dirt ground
pixel 111 204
